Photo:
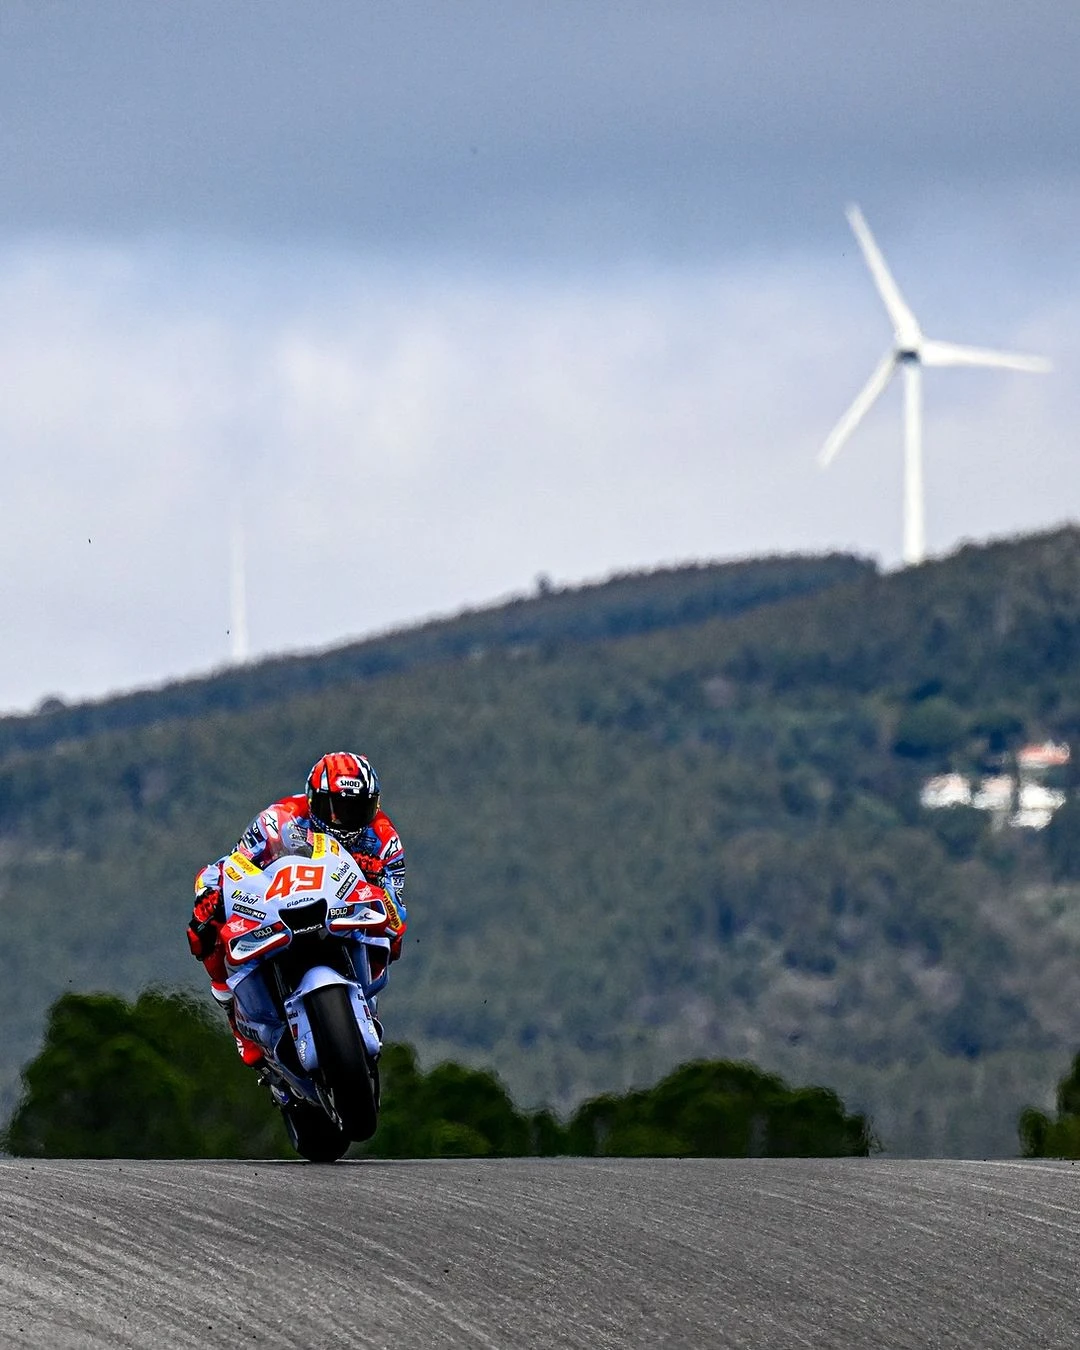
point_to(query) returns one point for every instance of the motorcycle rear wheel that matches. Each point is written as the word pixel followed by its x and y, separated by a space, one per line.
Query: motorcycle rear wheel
pixel 313 1134
pixel 350 1078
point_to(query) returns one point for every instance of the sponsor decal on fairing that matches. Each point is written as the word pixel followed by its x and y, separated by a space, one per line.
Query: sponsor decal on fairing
pixel 249 912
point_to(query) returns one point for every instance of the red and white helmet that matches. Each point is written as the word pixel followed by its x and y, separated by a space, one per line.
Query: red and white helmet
pixel 342 793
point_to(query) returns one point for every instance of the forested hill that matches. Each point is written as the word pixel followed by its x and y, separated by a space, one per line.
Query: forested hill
pixel 698 837
pixel 639 602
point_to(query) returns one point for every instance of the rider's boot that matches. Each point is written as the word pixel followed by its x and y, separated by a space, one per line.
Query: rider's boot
pixel 248 1051
pixel 279 1089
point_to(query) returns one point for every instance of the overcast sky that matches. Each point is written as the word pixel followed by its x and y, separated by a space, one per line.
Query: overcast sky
pixel 434 298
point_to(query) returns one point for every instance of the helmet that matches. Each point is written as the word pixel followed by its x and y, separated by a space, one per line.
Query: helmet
pixel 342 793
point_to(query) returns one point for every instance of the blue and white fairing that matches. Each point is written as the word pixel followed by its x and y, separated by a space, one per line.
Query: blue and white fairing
pixel 301 924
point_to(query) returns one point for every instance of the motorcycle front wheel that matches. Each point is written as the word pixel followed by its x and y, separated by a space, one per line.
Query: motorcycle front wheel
pixel 313 1134
pixel 349 1078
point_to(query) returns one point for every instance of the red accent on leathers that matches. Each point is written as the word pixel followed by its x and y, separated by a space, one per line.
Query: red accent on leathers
pixel 248 1051
pixel 214 964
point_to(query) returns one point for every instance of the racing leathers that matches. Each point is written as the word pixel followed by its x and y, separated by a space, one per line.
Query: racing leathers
pixel 287 827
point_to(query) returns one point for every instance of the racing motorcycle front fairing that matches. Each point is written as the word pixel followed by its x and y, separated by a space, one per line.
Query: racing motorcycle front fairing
pixel 298 926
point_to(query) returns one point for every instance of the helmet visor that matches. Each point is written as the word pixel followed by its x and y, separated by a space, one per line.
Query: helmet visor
pixel 348 812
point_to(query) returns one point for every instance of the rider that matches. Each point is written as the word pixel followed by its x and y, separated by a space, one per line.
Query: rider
pixel 342 800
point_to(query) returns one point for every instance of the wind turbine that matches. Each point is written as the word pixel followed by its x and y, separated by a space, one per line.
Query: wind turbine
pixel 909 353
pixel 238 629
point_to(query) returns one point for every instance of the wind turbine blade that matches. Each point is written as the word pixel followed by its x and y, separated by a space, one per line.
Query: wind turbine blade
pixel 950 354
pixel 905 325
pixel 858 410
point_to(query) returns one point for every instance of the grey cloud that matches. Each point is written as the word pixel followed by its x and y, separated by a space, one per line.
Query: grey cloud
pixel 547 130
pixel 483 433
pixel 582 282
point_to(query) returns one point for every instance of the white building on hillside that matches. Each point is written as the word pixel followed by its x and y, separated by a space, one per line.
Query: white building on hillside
pixel 1024 800
pixel 1035 760
pixel 995 793
pixel 1036 806
pixel 947 789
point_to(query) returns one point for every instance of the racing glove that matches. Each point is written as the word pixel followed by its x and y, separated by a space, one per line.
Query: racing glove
pixel 372 868
pixel 208 913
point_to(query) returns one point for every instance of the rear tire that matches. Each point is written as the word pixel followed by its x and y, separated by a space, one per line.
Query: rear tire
pixel 349 1077
pixel 313 1134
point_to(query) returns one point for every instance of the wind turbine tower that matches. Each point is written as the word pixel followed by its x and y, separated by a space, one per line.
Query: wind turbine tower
pixel 238 629
pixel 909 353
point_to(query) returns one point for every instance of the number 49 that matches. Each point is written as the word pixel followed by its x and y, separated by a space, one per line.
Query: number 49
pixel 298 877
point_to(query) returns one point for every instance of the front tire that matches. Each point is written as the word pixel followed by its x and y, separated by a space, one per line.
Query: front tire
pixel 349 1078
pixel 313 1134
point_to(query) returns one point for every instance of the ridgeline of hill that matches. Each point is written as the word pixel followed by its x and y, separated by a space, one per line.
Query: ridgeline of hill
pixel 675 816
pixel 639 602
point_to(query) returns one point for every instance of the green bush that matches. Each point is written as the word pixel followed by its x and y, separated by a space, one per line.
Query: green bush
pixel 930 729
pixel 159 1078
pixel 1041 1137
pixel 720 1109
pixel 450 1112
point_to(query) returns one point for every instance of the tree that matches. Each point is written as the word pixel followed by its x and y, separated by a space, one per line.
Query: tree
pixel 1063 840
pixel 929 729
pixel 450 1112
pixel 720 1109
pixel 1041 1137
pixel 160 1079
pixel 155 1079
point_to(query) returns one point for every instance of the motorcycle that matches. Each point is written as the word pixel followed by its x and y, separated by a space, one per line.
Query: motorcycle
pixel 307 953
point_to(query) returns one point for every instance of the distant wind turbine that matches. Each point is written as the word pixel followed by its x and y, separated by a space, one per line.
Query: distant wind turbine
pixel 910 351
pixel 238 629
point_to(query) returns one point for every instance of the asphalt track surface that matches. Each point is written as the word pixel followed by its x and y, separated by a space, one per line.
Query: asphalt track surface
pixel 540 1253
